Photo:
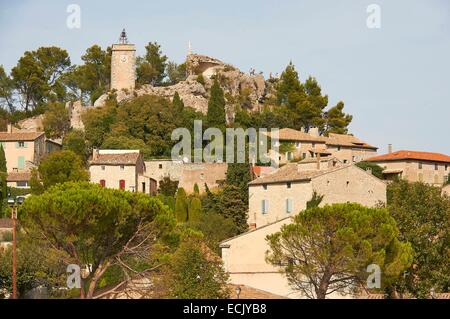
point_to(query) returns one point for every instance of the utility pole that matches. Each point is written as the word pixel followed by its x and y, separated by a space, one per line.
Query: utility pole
pixel 14 253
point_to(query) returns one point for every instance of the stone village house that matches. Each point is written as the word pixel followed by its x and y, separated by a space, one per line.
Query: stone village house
pixel 347 148
pixel 413 166
pixel 273 201
pixel 121 169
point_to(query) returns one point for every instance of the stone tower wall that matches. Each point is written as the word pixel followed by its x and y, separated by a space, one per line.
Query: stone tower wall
pixel 123 70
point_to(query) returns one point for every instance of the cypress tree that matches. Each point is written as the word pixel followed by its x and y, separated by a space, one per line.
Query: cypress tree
pixel 216 107
pixel 177 103
pixel 181 206
pixel 195 209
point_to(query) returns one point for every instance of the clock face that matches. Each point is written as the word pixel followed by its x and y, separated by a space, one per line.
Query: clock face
pixel 123 58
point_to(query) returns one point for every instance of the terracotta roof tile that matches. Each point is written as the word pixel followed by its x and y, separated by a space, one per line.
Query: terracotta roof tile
pixel 289 173
pixel 289 134
pixel 18 176
pixel 347 140
pixel 411 155
pixel 20 136
pixel 116 159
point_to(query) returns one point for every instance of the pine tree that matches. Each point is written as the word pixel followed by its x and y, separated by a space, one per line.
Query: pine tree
pixel 181 206
pixel 196 189
pixel 337 121
pixel 177 103
pixel 238 174
pixel 216 107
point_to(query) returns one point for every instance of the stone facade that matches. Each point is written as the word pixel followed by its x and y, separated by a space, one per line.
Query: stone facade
pixel 286 192
pixel 346 148
pixel 211 174
pixel 158 169
pixel 123 67
pixel 430 168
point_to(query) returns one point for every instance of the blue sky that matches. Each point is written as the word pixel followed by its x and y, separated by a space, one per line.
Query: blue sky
pixel 394 80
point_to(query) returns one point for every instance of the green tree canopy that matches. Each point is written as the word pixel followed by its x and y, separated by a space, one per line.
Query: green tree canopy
pixel 376 169
pixel 151 68
pixel 100 227
pixel 36 77
pixel 75 141
pixel 56 120
pixel 423 218
pixel 328 249
pixel 181 206
pixel 195 272
pixel 58 167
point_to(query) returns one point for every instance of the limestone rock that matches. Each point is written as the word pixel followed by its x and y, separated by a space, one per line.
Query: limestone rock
pixel 34 124
pixel 76 109
pixel 195 94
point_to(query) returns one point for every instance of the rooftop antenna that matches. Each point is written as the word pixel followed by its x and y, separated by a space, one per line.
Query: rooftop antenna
pixel 123 37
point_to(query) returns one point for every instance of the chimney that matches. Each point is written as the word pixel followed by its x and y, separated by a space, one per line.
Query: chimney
pixel 389 148
pixel 95 153
pixel 314 131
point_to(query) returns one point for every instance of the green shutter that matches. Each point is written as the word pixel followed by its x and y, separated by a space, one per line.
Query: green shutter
pixel 21 162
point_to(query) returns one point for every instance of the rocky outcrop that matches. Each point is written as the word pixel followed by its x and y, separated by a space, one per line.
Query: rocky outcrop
pixel 194 91
pixel 34 124
pixel 76 109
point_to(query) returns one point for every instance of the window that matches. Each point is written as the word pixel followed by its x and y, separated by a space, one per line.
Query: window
pixel 103 167
pixel 348 183
pixel 265 186
pixel 21 144
pixel 338 148
pixel 288 184
pixel 304 155
pixel 345 161
pixel 160 166
pixel 436 166
pixel 122 184
pixel 264 206
pixel 420 165
pixel 102 183
pixel 143 187
pixel 21 162
pixel 446 166
pixel 122 167
pixel 298 144
pixel 22 184
pixel 288 205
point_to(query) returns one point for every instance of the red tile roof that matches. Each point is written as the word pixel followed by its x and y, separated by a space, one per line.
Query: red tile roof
pixel 116 159
pixel 411 155
pixel 18 176
pixel 20 136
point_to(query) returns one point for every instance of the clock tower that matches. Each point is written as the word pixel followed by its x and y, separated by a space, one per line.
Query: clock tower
pixel 123 60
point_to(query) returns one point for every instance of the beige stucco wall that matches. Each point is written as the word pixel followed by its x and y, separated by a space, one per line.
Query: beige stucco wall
pixel 276 195
pixel 350 184
pixel 112 174
pixel 33 152
pixel 244 260
pixel 412 173
pixel 362 188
